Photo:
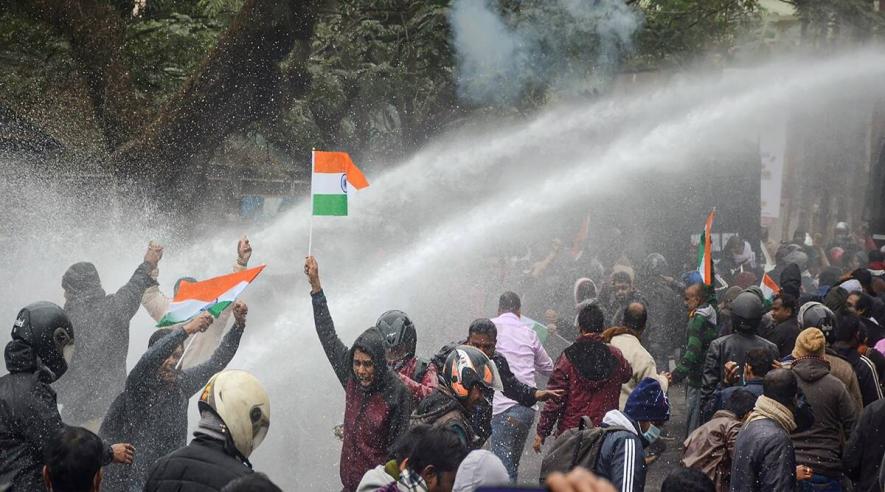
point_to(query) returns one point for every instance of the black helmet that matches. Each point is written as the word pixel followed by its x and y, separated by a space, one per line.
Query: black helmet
pixel 46 329
pixel 655 264
pixel 397 330
pixel 468 366
pixel 746 312
pixel 816 315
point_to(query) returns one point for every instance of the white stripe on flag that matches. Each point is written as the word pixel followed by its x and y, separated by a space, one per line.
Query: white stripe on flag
pixel 328 184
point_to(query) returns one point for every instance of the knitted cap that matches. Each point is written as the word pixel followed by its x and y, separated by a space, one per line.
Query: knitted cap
pixel 810 342
pixel 648 402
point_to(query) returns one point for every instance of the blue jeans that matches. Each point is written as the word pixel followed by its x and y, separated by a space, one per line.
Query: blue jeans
pixel 820 483
pixel 510 429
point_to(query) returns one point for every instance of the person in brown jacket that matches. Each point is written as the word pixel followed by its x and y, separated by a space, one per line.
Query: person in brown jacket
pixel 820 446
pixel 710 448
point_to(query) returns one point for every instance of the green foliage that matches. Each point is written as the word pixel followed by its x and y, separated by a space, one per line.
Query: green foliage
pixel 164 52
pixel 677 31
pixel 828 21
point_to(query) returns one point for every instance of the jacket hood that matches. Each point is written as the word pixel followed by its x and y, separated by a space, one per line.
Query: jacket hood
pixel 20 357
pixel 81 280
pixel 592 358
pixel 614 418
pixel 372 343
pixel 439 403
pixel 480 468
pixel 811 369
pixel 791 280
pixel 583 286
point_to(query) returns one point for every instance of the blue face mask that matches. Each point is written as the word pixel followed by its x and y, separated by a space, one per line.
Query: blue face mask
pixel 652 434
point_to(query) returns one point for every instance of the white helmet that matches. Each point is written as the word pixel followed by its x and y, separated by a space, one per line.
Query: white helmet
pixel 241 402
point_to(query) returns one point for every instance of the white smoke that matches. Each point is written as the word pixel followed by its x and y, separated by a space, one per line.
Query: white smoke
pixel 571 46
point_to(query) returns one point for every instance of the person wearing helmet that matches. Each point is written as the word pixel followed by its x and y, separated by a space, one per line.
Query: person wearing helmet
pixel 42 344
pixel 98 370
pixel 377 404
pixel 151 412
pixel 400 339
pixel 816 315
pixel 468 381
pixel 746 313
pixel 234 419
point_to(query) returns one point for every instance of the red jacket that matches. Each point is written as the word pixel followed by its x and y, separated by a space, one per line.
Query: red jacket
pixel 418 389
pixel 591 373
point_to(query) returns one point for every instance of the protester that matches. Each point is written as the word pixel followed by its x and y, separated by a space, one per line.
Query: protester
pixel 467 383
pixel 522 348
pixel 627 340
pixel 400 340
pixel 621 458
pixel 618 296
pixel 480 468
pixel 725 309
pixel 820 446
pixel 377 404
pixel 786 327
pixel 431 465
pixel 764 459
pixel 737 257
pixel 590 373
pixel 701 331
pixel 38 354
pixel 665 314
pixel 578 480
pixel 846 341
pixel 201 346
pixel 98 368
pixel 688 480
pixel 389 472
pixel 234 419
pixel 710 448
pixel 151 413
pixel 73 461
pixel 756 365
pixel 746 313
pixel 861 305
pixel 816 315
pixel 864 452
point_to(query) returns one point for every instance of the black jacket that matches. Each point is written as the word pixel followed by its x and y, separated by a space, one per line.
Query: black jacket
pixel 101 323
pixel 867 377
pixel 201 466
pixel 732 347
pixel 764 459
pixel 784 336
pixel 29 419
pixel 863 453
pixel 152 415
pixel 374 416
pixel 442 409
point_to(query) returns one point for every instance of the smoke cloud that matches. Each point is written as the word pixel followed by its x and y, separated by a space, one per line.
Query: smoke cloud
pixel 570 46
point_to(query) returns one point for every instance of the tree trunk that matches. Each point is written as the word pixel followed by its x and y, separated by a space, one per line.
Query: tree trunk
pixel 237 83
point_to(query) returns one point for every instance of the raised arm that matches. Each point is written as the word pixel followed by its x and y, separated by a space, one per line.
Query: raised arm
pixel 127 299
pixel 193 379
pixel 335 349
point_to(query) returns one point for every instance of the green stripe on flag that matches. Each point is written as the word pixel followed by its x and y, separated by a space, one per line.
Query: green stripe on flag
pixel 330 204
pixel 216 309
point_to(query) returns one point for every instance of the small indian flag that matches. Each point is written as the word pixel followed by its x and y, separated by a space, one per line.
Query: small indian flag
pixel 328 185
pixel 705 251
pixel 769 289
pixel 213 295
pixel 539 328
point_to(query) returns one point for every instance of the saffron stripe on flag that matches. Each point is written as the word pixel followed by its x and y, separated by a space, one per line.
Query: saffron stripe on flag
pixel 330 205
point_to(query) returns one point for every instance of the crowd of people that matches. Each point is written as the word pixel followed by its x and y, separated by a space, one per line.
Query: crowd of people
pixel 783 385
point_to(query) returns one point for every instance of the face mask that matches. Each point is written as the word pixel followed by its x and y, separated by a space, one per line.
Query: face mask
pixel 68 353
pixel 652 434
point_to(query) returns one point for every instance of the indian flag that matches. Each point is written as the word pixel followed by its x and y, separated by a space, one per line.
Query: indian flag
pixel 213 295
pixel 328 185
pixel 705 251
pixel 769 288
pixel 539 328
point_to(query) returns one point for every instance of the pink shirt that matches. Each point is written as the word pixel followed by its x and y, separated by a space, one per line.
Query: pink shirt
pixel 522 348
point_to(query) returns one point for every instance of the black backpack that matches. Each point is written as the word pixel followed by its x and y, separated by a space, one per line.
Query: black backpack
pixel 575 447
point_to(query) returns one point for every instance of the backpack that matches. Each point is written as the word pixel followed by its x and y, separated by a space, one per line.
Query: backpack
pixel 576 447
pixel 439 360
pixel 420 370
